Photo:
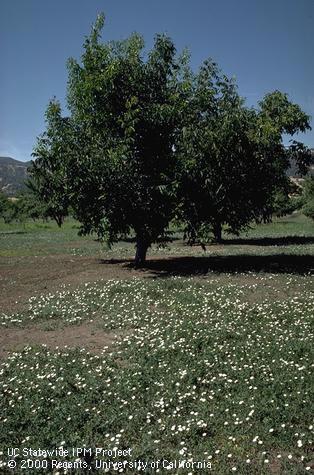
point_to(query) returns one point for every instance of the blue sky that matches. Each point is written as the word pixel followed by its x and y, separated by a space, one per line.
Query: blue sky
pixel 265 44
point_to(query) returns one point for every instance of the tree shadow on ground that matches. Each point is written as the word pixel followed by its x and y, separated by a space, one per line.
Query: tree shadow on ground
pixel 189 266
pixel 132 240
pixel 9 233
pixel 271 241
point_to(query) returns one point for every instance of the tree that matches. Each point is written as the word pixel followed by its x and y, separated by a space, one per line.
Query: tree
pixel 114 155
pixel 29 206
pixel 8 209
pixel 233 162
pixel 214 143
pixel 308 197
pixel 3 203
pixel 285 204
pixel 48 173
pixel 148 140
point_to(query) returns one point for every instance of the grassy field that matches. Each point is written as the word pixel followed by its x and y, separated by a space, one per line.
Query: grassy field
pixel 39 238
pixel 199 360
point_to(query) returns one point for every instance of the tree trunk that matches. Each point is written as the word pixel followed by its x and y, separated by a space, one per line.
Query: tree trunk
pixel 141 250
pixel 218 232
pixel 59 219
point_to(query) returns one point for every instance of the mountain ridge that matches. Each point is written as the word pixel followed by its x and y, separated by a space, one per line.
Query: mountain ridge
pixel 13 174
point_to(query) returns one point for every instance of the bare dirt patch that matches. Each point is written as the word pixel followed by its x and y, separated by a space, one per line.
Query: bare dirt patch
pixel 28 276
pixel 86 336
pixel 24 277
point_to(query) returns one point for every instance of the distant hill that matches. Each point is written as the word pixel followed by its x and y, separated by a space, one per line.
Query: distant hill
pixel 13 174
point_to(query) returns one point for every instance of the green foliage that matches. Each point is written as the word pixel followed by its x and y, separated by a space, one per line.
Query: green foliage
pixel 114 155
pixel 29 206
pixel 308 197
pixel 281 115
pixel 216 174
pixel 25 206
pixel 3 203
pixel 8 209
pixel 148 140
pixel 285 204
pixel 48 173
pixel 308 209
pixel 233 162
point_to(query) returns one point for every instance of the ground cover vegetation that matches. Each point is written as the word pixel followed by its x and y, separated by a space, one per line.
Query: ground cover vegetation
pixel 148 140
pixel 36 238
pixel 203 371
pixel 213 367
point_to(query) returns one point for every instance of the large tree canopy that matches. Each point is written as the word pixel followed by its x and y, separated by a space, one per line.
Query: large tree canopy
pixel 147 140
pixel 124 116
pixel 232 159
